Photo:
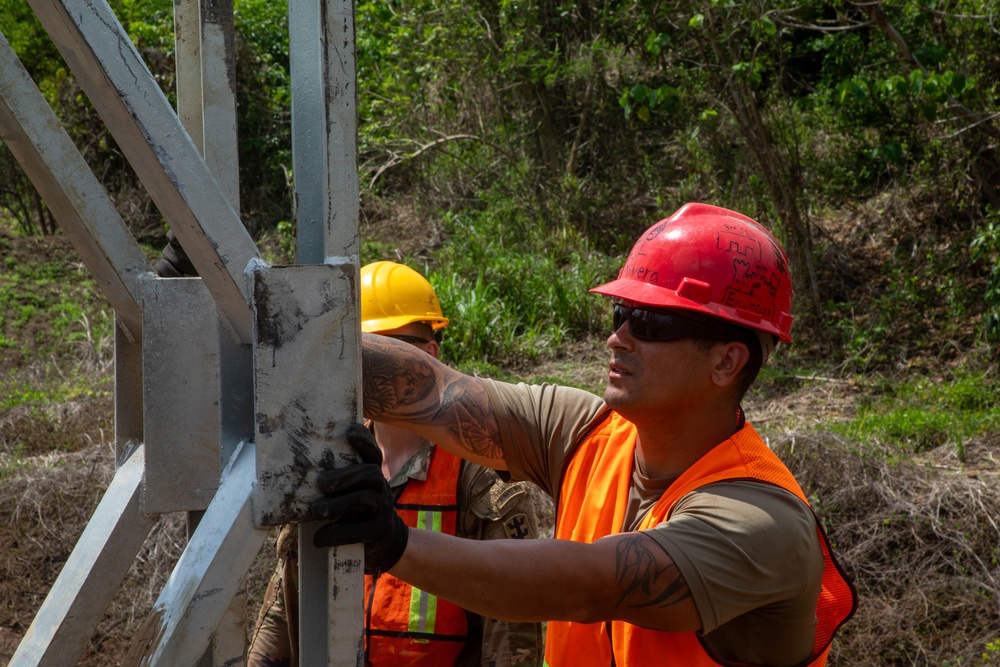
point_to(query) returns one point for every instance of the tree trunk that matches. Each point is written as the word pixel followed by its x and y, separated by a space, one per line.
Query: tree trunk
pixel 780 170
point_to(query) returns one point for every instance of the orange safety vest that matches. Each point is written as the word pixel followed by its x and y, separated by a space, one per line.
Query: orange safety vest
pixel 592 503
pixel 409 626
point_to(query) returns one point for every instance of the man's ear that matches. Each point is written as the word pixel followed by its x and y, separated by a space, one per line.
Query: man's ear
pixel 729 358
pixel 432 347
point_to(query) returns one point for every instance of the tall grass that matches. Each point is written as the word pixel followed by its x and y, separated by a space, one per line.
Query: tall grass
pixel 516 292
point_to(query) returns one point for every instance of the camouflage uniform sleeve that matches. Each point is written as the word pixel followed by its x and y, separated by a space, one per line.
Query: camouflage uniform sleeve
pixel 491 509
pixel 274 642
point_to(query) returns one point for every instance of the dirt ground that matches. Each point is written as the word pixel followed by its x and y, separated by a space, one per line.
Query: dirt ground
pixel 920 537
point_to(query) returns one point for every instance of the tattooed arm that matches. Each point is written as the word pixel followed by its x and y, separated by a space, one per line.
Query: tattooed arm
pixel 627 577
pixel 404 386
pixel 621 577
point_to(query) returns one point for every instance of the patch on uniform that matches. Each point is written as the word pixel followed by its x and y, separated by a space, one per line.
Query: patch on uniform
pixel 508 492
pixel 516 527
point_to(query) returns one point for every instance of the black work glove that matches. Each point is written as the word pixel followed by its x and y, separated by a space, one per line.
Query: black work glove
pixel 173 261
pixel 358 501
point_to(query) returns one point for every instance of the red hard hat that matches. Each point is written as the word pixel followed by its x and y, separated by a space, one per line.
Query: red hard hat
pixel 713 261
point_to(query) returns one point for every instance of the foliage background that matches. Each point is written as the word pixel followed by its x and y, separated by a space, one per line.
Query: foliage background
pixel 556 131
pixel 512 150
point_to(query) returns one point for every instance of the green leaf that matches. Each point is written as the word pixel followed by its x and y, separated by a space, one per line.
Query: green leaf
pixel 931 54
pixel 933 86
pixel 742 67
pixel 852 88
pixel 696 21
pixel 766 27
pixel 959 82
pixel 894 87
pixel 656 42
pixel 640 93
pixel 669 98
pixel 892 152
pixel 623 101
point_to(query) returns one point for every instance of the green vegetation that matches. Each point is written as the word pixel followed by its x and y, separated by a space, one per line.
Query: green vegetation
pixel 14 393
pixel 532 299
pixel 521 147
pixel 75 325
pixel 56 334
pixel 918 414
pixel 986 250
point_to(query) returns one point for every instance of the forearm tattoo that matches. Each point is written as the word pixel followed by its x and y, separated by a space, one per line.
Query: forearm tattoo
pixel 392 381
pixel 407 386
pixel 642 580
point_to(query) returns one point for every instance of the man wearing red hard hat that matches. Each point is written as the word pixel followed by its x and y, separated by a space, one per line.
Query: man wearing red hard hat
pixel 680 537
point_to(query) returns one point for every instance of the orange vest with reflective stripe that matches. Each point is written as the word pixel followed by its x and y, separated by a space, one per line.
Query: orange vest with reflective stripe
pixel 592 503
pixel 409 626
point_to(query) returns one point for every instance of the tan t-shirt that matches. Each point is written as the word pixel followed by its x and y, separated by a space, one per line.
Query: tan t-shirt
pixel 748 551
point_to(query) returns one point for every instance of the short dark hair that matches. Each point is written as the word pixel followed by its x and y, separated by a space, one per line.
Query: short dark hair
pixel 728 333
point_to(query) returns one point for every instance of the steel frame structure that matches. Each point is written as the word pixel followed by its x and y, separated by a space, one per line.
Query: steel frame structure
pixel 262 361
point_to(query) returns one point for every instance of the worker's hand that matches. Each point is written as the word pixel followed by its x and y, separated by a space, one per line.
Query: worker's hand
pixel 173 261
pixel 358 502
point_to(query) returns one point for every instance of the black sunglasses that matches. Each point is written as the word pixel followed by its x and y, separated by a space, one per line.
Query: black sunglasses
pixel 646 324
pixel 413 340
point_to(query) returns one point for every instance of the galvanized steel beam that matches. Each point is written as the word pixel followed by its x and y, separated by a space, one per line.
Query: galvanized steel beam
pixel 71 191
pixel 128 396
pixel 207 576
pixel 205 56
pixel 325 172
pixel 180 371
pixel 331 604
pixel 92 574
pixel 306 377
pixel 205 66
pixel 158 148
pixel 218 86
pixel 305 382
pixel 324 129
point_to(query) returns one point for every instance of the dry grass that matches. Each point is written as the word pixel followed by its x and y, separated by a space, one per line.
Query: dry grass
pixel 919 538
pixel 45 503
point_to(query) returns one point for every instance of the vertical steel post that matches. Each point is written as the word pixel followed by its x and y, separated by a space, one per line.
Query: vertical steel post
pixel 324 128
pixel 204 37
pixel 324 150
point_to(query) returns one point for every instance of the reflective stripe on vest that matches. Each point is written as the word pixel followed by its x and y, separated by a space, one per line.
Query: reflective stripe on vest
pixel 408 625
pixel 423 606
pixel 592 503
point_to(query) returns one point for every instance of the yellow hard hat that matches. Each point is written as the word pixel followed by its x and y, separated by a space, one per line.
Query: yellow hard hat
pixel 394 295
